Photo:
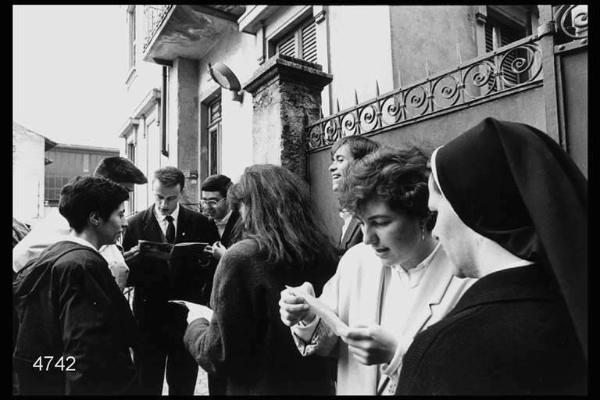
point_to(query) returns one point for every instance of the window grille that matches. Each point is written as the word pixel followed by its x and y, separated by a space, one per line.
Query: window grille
pixel 499 34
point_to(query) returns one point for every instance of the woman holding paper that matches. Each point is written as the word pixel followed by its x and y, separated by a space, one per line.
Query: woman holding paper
pixel 386 289
pixel 282 243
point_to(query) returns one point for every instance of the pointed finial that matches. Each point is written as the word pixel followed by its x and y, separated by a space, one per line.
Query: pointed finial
pixel 337 102
pixel 458 51
pixel 376 88
pixel 355 97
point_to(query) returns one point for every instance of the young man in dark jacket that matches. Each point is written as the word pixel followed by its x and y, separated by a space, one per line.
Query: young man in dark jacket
pixel 156 281
pixel 75 327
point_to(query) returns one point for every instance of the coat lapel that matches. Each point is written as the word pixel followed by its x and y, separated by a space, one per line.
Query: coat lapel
pixel 182 225
pixel 351 231
pixel 151 229
pixel 435 283
pixel 225 239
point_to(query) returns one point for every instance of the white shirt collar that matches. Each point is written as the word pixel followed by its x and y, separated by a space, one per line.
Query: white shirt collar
pixel 161 218
pixel 413 276
pixel 346 215
pixel 80 241
pixel 223 221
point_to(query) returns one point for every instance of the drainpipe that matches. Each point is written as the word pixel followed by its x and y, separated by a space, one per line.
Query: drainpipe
pixel 163 109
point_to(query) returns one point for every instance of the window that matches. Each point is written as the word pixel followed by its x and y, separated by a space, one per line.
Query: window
pixel 300 43
pixel 164 143
pixel 131 157
pixel 214 136
pixel 504 25
pixel 86 163
pixel 132 35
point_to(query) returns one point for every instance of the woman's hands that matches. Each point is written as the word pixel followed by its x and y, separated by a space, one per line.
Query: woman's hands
pixel 371 344
pixel 292 307
pixel 216 250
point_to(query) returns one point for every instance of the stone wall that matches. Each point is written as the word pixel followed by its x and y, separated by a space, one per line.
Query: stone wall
pixel 286 99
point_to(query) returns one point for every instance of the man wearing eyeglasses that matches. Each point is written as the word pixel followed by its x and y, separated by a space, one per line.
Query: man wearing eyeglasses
pixel 214 205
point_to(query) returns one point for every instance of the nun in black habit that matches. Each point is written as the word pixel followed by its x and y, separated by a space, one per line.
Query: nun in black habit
pixel 512 211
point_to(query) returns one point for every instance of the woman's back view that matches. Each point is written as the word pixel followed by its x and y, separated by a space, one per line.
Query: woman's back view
pixel 282 245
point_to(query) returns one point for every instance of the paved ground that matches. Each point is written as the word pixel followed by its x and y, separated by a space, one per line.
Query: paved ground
pixel 201 385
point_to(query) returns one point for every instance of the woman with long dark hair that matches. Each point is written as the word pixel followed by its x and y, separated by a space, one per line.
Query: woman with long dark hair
pixel 282 244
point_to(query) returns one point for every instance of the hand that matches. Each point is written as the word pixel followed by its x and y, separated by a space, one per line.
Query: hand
pixel 120 272
pixel 131 253
pixel 216 250
pixel 293 308
pixel 195 311
pixel 371 345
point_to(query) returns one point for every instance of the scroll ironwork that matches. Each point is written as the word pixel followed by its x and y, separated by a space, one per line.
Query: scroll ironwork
pixel 508 67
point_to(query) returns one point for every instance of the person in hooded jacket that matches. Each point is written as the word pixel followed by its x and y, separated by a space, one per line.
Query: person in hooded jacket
pixel 75 327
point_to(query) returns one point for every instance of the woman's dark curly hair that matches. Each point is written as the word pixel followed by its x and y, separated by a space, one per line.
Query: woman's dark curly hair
pixel 396 176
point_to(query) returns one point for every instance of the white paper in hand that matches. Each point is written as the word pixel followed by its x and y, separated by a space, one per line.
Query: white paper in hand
pixel 324 312
pixel 195 311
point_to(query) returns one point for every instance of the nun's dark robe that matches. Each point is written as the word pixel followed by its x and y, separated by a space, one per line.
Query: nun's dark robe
pixel 69 305
pixel 509 334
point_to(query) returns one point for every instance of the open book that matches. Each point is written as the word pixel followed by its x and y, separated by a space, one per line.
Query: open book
pixel 198 310
pixel 166 251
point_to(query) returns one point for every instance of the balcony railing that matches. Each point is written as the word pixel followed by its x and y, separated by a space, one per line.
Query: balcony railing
pixel 154 16
pixel 507 68
pixel 571 21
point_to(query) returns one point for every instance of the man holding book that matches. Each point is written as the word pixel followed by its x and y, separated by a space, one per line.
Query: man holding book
pixel 156 280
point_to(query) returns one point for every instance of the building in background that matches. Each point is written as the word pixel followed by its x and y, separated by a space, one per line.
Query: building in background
pixel 215 88
pixel 28 162
pixel 69 161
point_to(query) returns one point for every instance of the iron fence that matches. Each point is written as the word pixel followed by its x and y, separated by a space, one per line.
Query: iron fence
pixel 508 67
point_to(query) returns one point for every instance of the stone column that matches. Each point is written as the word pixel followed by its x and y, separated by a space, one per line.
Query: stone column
pixel 286 98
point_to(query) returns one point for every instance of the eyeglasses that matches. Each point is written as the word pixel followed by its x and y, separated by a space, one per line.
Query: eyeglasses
pixel 212 203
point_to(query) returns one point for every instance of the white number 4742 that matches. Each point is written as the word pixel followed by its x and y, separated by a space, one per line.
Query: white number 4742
pixel 60 363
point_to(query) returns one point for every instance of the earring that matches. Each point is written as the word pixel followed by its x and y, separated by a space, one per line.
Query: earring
pixel 423 232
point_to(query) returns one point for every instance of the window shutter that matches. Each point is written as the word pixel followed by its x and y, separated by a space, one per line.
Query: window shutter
pixel 309 42
pixel 489 38
pixel 287 47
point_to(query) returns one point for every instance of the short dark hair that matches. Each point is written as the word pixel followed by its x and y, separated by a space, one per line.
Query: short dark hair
pixel 216 183
pixel 120 170
pixel 359 146
pixel 396 176
pixel 86 194
pixel 170 176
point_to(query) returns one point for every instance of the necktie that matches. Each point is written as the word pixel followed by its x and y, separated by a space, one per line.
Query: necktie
pixel 170 230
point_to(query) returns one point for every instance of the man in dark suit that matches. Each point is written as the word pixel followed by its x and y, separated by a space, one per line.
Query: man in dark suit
pixel 214 204
pixel 344 152
pixel 156 281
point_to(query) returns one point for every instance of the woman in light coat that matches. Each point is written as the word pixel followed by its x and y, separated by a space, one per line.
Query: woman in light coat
pixel 386 289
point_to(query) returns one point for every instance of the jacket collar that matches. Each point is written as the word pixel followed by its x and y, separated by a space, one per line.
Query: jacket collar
pixel 520 283
pixel 435 283
pixel 153 230
pixel 233 218
pixel 353 226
